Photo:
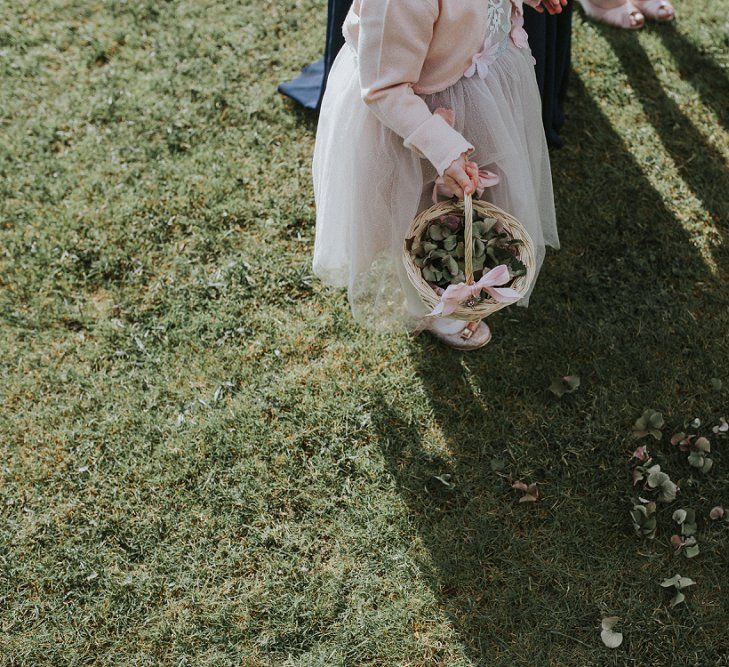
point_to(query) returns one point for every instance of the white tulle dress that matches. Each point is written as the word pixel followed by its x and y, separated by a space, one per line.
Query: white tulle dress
pixel 369 186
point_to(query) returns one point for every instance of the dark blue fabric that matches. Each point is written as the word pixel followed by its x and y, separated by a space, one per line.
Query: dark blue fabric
pixel 308 88
pixel 549 38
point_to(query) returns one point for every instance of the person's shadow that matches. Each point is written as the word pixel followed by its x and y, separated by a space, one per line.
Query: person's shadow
pixel 626 305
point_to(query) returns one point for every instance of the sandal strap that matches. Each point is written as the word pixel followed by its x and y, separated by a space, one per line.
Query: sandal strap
pixel 469 330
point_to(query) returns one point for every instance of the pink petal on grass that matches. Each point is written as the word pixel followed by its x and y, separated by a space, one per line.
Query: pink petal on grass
pixel 716 513
pixel 723 426
pixel 531 492
pixel 641 453
pixel 676 542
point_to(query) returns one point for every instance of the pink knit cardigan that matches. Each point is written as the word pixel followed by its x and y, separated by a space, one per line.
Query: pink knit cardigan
pixel 410 47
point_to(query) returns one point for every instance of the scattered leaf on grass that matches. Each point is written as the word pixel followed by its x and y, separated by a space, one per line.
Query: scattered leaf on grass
pixel 649 423
pixel 691 550
pixel 677 599
pixel 644 520
pixel 498 465
pixel 679 516
pixel 445 480
pixel 660 481
pixel 679 583
pixel 609 637
pixel 641 453
pixel 715 384
pixel 564 385
pixel 531 492
pixel 722 428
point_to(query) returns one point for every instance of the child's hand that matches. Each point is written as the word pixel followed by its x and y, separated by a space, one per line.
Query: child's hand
pixel 552 6
pixel 461 176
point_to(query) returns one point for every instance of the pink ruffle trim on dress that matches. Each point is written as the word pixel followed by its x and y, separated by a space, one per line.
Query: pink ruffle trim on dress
pixel 482 61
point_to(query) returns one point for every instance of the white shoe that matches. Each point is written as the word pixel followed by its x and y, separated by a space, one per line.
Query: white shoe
pixel 471 337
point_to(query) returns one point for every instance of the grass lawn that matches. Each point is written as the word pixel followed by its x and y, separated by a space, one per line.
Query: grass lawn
pixel 205 462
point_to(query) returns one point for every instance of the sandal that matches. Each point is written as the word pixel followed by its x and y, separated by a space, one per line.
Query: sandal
pixel 473 336
pixel 658 10
pixel 624 16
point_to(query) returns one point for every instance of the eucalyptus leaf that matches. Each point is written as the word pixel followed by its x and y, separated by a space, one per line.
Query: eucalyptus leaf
pixel 609 637
pixel 679 516
pixel 677 599
pixel 675 580
pixel 692 551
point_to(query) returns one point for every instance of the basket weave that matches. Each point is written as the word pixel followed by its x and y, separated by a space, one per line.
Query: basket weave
pixel 508 223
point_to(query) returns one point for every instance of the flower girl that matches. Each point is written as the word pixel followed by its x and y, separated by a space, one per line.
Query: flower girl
pixel 424 94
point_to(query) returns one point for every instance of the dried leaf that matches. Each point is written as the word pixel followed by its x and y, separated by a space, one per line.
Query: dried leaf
pixel 564 385
pixel 722 428
pixel 445 480
pixel 531 492
pixel 641 453
pixel 609 637
pixel 691 551
pixel 677 599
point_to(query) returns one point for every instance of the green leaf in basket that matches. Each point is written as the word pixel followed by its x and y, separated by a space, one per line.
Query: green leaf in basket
pixel 435 232
pixel 460 250
pixel 439 254
pixel 517 267
pixel 428 274
pixel 438 275
pixel 478 248
pixel 419 261
pixel 429 246
pixel 450 242
pixel 458 278
pixel 479 263
pixel 451 265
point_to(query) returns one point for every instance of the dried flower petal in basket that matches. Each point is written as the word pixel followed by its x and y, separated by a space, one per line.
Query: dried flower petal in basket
pixel 455 295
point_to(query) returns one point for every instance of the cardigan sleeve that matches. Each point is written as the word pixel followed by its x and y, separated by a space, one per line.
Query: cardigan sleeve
pixel 394 36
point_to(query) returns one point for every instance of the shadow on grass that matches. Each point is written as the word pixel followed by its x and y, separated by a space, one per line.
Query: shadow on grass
pixel 709 79
pixel 527 584
pixel 699 163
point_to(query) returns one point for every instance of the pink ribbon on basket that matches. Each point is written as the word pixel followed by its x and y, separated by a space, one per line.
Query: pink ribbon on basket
pixel 490 282
pixel 486 179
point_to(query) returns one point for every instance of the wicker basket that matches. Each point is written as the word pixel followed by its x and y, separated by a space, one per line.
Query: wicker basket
pixel 507 222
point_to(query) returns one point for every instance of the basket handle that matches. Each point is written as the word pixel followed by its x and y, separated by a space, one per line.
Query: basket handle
pixel 468 237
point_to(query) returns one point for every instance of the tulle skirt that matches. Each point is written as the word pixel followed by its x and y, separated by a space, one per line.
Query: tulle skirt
pixel 368 187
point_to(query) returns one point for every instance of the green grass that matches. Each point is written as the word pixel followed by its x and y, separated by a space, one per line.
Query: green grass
pixel 204 460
